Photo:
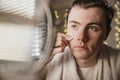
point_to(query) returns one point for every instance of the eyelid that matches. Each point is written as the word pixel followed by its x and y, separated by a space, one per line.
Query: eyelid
pixel 94 26
pixel 75 26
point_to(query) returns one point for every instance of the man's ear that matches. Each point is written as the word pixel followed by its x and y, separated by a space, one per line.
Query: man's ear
pixel 107 32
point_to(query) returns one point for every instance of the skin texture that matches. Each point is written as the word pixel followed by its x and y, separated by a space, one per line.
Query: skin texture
pixel 88 29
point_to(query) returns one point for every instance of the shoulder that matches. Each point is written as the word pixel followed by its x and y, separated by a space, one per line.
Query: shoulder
pixel 58 58
pixel 113 55
pixel 54 67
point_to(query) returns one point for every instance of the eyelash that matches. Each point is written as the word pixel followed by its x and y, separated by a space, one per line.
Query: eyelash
pixel 94 28
pixel 90 27
pixel 74 27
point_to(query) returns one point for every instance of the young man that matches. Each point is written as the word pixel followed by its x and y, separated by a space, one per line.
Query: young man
pixel 81 54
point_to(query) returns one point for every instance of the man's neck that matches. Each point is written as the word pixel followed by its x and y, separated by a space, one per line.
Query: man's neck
pixel 83 63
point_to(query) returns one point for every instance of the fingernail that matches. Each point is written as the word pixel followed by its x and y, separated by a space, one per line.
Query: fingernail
pixel 69 37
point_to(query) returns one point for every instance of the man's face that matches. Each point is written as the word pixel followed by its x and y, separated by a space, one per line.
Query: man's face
pixel 87 26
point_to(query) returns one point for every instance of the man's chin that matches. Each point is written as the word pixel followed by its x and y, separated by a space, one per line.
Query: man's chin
pixel 81 55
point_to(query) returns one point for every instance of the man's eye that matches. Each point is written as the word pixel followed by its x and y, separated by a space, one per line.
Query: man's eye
pixel 94 28
pixel 74 27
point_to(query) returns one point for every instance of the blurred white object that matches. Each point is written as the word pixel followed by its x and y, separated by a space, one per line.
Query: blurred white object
pixel 15 42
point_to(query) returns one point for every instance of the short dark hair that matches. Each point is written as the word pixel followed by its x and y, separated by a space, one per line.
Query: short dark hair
pixel 103 4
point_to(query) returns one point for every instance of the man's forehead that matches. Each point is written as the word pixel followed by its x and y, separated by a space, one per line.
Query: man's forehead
pixel 86 16
pixel 78 11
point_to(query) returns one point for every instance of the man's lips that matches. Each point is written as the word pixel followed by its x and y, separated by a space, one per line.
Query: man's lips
pixel 80 47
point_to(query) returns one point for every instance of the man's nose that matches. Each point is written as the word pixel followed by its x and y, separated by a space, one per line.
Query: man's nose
pixel 82 35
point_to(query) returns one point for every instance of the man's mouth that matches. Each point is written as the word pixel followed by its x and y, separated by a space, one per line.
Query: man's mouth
pixel 80 47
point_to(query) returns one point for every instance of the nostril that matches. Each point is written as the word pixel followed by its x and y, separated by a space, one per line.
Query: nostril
pixel 83 39
pixel 83 36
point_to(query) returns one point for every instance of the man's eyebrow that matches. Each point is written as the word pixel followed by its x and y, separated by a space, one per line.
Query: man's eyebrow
pixel 72 21
pixel 95 23
pixel 92 23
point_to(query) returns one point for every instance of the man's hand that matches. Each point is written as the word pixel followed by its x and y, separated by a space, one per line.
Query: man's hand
pixel 60 44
